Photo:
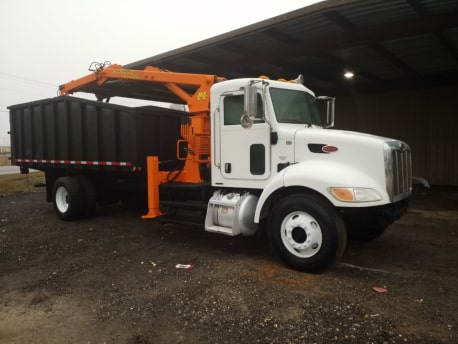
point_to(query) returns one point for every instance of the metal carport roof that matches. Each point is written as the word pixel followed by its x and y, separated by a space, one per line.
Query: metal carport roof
pixel 388 45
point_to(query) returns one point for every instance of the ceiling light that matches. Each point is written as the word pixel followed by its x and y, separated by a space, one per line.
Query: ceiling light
pixel 349 75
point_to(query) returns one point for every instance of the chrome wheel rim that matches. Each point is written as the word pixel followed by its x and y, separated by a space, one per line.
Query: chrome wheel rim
pixel 301 234
pixel 62 199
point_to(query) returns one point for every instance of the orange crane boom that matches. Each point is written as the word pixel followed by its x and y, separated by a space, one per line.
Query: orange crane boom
pixel 195 132
pixel 197 101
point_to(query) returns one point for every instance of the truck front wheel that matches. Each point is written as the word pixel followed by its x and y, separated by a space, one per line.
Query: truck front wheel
pixel 68 198
pixel 306 232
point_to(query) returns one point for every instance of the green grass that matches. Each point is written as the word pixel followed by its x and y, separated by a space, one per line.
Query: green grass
pixel 16 183
pixel 4 160
pixel 5 154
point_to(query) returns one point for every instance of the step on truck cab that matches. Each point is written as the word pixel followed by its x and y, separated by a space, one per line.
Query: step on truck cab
pixel 254 156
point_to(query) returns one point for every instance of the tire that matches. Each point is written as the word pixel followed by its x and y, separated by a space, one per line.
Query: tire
pixel 306 232
pixel 69 199
pixel 90 195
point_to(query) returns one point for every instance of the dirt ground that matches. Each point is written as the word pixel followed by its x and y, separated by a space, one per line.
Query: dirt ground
pixel 112 279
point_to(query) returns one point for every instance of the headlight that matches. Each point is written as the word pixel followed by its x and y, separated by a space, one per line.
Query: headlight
pixel 355 194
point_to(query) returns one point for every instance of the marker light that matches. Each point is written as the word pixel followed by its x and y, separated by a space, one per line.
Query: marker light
pixel 349 75
pixel 329 149
pixel 355 194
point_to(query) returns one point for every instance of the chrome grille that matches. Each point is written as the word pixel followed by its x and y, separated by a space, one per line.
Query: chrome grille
pixel 398 170
pixel 402 172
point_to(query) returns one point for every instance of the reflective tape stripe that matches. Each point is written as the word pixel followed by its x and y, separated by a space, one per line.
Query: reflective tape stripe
pixel 77 162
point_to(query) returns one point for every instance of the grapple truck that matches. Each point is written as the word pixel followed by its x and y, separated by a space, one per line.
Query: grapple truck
pixel 250 156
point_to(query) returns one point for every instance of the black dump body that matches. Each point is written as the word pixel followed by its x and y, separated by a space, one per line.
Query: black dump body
pixel 68 133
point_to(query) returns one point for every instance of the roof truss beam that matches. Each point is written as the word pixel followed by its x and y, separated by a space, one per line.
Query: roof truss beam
pixel 347 26
pixel 366 36
pixel 439 34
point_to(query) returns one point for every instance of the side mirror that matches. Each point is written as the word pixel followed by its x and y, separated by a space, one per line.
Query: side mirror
pixel 330 110
pixel 250 106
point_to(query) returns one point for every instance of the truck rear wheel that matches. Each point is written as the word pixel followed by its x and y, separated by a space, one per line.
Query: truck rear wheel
pixel 68 198
pixel 306 232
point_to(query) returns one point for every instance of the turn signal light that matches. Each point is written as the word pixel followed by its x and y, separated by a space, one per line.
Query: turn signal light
pixel 355 194
pixel 342 194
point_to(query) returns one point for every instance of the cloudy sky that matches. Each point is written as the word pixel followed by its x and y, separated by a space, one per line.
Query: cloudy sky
pixel 45 43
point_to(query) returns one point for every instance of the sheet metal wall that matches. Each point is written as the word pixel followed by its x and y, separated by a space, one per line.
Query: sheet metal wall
pixel 426 119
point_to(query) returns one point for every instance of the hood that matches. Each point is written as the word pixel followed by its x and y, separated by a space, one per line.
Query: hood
pixel 309 142
pixel 363 152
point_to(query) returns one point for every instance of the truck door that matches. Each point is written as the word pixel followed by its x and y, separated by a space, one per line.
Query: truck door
pixel 245 153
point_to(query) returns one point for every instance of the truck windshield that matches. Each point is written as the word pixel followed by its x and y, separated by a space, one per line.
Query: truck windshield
pixel 293 106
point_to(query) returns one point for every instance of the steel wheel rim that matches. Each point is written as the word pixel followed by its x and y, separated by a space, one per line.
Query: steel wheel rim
pixel 62 199
pixel 301 234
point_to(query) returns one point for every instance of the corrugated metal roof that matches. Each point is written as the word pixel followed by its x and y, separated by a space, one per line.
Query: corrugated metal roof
pixel 375 12
pixel 387 44
pixel 434 60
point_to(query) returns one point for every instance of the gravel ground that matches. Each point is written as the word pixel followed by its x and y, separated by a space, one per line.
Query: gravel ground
pixel 112 279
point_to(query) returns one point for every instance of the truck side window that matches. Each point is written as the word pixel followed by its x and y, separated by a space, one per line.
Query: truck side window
pixel 257 159
pixel 233 109
pixel 292 106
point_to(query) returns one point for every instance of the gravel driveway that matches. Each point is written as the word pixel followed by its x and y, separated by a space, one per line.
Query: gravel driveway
pixel 113 279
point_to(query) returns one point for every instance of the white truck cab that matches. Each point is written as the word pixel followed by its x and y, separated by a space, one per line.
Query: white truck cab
pixel 275 164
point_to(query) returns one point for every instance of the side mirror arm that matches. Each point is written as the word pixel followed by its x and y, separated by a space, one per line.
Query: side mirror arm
pixel 250 105
pixel 330 110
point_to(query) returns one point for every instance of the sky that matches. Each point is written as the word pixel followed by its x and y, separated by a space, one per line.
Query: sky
pixel 46 43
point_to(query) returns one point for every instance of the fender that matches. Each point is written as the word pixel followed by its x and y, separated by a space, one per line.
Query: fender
pixel 319 175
